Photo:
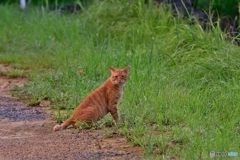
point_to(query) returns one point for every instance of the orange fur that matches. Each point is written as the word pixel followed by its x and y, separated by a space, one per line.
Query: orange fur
pixel 99 102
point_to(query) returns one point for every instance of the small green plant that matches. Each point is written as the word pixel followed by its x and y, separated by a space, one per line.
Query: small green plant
pixel 84 125
pixel 109 133
pixel 15 73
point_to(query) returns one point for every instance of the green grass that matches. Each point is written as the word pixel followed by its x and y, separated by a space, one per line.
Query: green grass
pixel 182 96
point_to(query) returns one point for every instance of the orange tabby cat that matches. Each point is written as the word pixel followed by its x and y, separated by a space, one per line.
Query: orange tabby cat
pixel 100 101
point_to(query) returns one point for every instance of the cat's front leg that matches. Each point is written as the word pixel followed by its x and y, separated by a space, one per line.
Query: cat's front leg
pixel 115 114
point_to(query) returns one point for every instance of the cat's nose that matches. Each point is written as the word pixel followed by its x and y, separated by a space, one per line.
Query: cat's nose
pixel 121 81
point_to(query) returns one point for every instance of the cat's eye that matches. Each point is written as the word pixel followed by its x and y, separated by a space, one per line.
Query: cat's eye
pixel 116 76
pixel 123 76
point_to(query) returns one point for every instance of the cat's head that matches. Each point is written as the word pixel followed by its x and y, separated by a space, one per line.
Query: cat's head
pixel 119 76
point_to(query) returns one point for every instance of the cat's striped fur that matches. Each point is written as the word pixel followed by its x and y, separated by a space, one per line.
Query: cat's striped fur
pixel 101 101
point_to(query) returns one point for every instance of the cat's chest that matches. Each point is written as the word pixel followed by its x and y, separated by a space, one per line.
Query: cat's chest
pixel 120 95
pixel 116 96
pixel 120 92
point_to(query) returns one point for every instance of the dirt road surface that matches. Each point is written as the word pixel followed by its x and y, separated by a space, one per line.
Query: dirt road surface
pixel 26 134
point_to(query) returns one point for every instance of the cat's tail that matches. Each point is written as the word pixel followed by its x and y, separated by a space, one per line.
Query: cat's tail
pixel 64 125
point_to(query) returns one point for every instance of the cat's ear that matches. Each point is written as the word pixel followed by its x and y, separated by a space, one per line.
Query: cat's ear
pixel 126 69
pixel 111 69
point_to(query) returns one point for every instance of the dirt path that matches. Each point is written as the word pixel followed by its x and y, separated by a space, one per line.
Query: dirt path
pixel 26 133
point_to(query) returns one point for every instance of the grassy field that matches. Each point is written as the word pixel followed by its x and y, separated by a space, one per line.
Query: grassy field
pixel 183 94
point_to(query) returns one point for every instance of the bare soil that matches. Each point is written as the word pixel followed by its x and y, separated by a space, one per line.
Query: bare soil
pixel 26 133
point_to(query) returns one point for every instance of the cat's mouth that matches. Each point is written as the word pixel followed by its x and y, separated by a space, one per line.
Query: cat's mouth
pixel 119 83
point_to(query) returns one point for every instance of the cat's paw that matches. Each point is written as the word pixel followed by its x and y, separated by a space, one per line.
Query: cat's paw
pixel 116 121
pixel 57 128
